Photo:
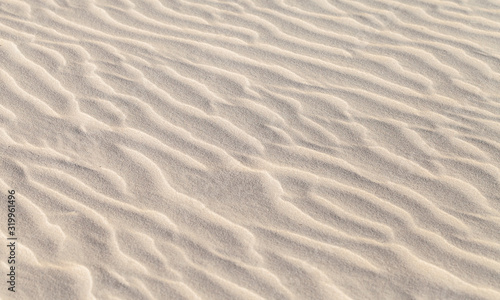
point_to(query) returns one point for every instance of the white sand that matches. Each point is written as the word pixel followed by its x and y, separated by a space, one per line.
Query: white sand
pixel 251 149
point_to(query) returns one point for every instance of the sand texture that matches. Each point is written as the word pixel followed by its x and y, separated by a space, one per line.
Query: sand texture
pixel 251 149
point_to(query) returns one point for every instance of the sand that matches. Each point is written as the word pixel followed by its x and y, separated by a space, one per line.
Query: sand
pixel 250 149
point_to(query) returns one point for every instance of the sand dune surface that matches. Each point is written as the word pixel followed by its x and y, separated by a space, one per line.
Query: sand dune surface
pixel 251 149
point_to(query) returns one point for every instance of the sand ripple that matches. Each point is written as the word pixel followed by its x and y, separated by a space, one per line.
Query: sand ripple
pixel 252 149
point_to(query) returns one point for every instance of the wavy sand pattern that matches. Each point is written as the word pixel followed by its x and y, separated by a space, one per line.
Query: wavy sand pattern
pixel 252 149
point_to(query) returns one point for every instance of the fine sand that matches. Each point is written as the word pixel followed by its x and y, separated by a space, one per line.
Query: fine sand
pixel 250 149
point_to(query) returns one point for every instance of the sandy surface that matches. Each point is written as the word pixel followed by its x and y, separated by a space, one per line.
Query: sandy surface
pixel 251 149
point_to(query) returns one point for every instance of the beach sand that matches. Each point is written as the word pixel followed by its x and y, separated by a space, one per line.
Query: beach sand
pixel 250 149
